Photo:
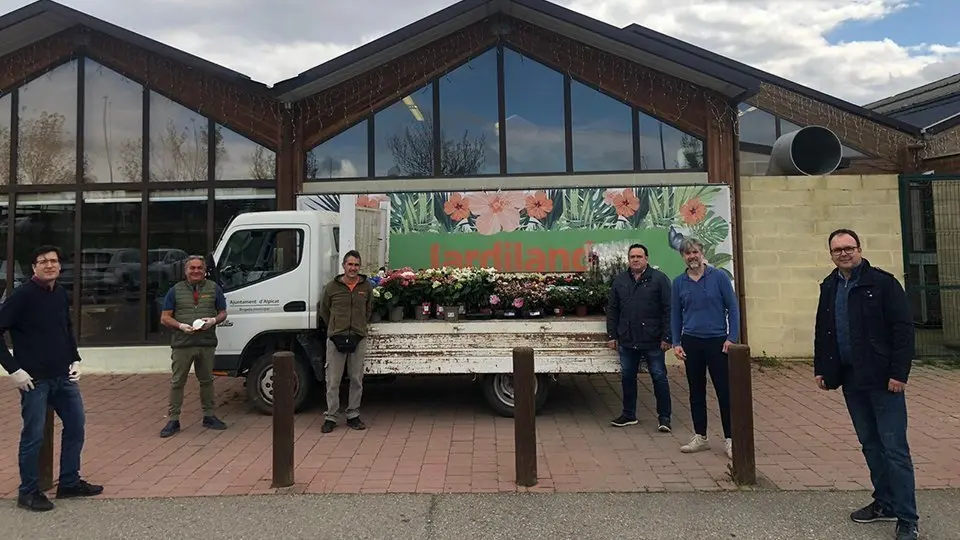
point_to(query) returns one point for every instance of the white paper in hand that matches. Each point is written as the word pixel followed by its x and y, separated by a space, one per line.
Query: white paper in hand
pixel 198 324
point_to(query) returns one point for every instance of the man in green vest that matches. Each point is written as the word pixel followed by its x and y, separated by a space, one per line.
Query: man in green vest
pixel 192 309
pixel 345 308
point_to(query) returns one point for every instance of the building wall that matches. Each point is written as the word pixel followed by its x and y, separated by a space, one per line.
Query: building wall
pixel 786 221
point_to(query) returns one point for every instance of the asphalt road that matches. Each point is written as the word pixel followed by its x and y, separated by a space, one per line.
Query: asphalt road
pixel 747 515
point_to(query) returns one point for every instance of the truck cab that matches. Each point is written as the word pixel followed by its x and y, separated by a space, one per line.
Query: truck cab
pixel 272 267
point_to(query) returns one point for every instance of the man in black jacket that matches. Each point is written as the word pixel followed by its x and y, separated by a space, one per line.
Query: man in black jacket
pixel 864 342
pixel 45 366
pixel 638 325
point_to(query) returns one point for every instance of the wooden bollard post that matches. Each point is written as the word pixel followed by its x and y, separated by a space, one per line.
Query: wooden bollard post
pixel 524 416
pixel 283 388
pixel 744 466
pixel 46 453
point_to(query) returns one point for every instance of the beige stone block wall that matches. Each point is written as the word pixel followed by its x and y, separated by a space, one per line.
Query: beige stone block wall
pixel 786 221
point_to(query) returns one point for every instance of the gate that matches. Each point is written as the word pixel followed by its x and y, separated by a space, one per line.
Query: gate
pixel 930 220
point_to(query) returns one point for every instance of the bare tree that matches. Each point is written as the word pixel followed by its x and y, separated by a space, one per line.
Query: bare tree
pixel 413 152
pixel 4 155
pixel 176 154
pixel 263 164
pixel 692 152
pixel 45 155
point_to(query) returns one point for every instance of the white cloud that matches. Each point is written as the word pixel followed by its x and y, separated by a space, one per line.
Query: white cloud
pixel 271 41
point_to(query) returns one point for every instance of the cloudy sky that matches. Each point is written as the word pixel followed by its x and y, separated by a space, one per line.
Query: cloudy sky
pixel 859 50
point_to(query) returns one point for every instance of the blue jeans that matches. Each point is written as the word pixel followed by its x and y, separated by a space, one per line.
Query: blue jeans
pixel 64 396
pixel 629 365
pixel 880 420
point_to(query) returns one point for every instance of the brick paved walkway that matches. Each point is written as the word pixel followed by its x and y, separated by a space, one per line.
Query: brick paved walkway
pixel 437 435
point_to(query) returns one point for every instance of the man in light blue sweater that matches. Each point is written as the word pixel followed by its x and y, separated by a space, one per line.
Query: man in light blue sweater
pixel 704 321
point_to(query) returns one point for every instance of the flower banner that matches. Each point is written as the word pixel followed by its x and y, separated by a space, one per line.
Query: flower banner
pixel 549 230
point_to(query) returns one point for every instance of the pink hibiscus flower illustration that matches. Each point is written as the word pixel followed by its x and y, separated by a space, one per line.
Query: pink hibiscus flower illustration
pixel 498 211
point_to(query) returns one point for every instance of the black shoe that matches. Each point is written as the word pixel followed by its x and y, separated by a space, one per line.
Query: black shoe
pixel 622 421
pixel 168 430
pixel 37 502
pixel 872 512
pixel 81 489
pixel 213 422
pixel 907 531
pixel 328 426
pixel 664 426
pixel 356 423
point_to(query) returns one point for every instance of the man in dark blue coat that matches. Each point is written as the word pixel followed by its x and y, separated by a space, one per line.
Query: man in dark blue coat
pixel 638 325
pixel 864 342
pixel 45 366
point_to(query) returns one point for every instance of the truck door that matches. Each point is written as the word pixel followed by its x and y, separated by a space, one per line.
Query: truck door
pixel 266 281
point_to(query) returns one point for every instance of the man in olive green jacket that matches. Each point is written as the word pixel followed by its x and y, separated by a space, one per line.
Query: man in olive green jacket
pixel 194 299
pixel 346 307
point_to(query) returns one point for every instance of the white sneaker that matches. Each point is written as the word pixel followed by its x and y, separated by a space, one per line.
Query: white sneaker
pixel 697 443
pixel 728 444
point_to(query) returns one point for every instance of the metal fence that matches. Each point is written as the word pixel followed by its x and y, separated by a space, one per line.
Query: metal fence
pixel 930 218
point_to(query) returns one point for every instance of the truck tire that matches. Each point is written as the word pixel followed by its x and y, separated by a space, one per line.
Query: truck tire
pixel 260 384
pixel 498 391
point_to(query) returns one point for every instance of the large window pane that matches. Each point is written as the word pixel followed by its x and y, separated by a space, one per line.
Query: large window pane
pixel 404 136
pixel 239 158
pixel 343 156
pixel 5 265
pixel 757 126
pixel 111 312
pixel 112 126
pixel 534 116
pixel 47 147
pixel 45 218
pixel 602 131
pixel 5 140
pixel 178 142
pixel 176 227
pixel 681 150
pixel 468 116
pixel 651 147
pixel 232 202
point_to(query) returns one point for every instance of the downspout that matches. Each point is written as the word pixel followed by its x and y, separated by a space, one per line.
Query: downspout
pixel 738 237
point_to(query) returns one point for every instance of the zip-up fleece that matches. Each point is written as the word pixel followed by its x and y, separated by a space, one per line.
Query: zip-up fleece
pixel 345 311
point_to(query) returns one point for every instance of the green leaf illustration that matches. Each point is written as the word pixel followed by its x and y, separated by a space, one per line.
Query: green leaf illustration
pixel 637 219
pixel 585 209
pixel 446 223
pixel 712 230
pixel 413 213
pixel 720 259
pixel 552 221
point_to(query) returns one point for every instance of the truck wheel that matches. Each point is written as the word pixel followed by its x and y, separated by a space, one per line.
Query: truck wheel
pixel 260 384
pixel 498 391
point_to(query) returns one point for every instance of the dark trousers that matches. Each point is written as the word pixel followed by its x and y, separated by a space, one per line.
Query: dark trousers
pixel 630 360
pixel 64 396
pixel 705 354
pixel 880 420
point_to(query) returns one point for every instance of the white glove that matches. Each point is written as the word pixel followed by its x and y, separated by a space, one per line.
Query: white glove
pixel 184 327
pixel 23 380
pixel 75 371
pixel 209 322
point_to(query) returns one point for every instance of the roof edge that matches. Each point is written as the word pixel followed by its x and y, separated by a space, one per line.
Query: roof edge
pixel 780 81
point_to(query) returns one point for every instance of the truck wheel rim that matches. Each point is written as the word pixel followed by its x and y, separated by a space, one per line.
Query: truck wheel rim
pixel 503 388
pixel 265 385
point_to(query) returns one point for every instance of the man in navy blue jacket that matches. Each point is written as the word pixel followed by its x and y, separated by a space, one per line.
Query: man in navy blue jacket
pixel 45 366
pixel 638 326
pixel 705 321
pixel 864 342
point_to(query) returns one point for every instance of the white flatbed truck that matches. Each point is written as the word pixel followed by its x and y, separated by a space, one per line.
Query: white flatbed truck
pixel 273 267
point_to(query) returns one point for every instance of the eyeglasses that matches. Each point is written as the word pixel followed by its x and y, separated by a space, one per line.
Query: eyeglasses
pixel 848 250
pixel 45 262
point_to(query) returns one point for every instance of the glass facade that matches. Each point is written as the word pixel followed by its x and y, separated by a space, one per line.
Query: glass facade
pixel 551 124
pixel 127 182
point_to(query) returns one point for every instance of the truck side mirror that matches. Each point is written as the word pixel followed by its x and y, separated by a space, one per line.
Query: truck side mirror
pixel 212 272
